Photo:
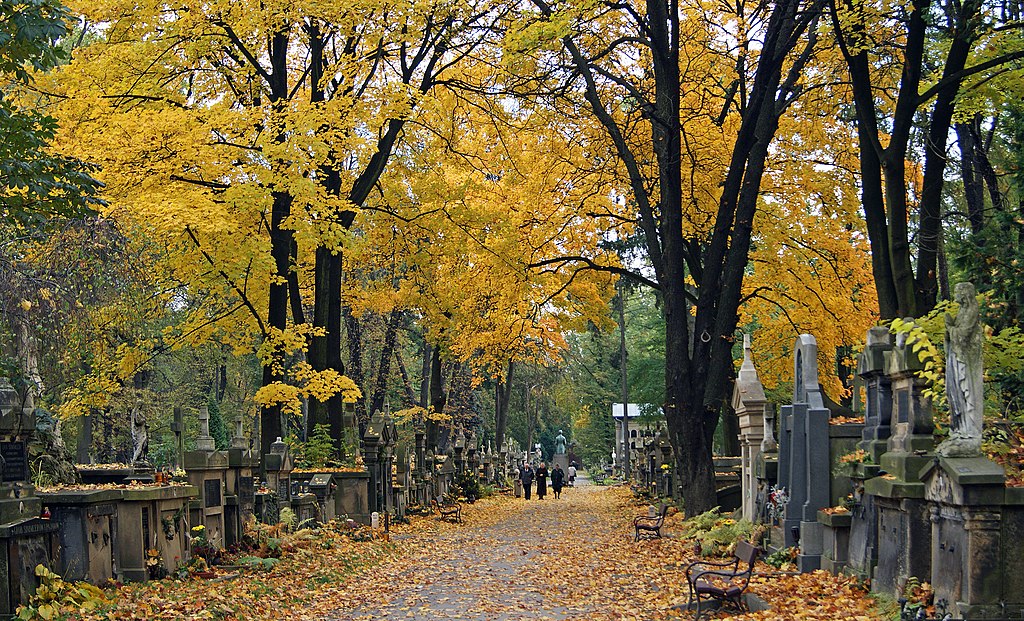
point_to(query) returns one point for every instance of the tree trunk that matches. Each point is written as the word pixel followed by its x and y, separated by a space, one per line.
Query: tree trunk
pixel 502 397
pixel 380 391
pixel 438 398
pixel 354 331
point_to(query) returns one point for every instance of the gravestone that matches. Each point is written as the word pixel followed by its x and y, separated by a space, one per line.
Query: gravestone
pixel 871 368
pixel 766 471
pixel 807 393
pixel 904 532
pixel 240 486
pixel 748 400
pixel 378 448
pixel 26 540
pixel 277 466
pixel 206 468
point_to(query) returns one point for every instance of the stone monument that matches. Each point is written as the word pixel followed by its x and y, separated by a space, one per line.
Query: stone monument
pixel 560 457
pixel 26 540
pixel 964 378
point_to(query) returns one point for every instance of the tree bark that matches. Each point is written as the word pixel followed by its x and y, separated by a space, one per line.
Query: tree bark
pixel 503 395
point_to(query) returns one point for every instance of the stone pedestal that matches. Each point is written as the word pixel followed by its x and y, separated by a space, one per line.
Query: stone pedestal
pixel 207 472
pixel 140 517
pixel 562 460
pixel 87 522
pixel 835 538
pixel 976 527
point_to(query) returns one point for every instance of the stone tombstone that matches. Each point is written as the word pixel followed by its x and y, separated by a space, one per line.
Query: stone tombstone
pixel 748 400
pixel 378 444
pixel 240 485
pixel 808 400
pixel 977 570
pixel 278 467
pixel 26 540
pixel 964 376
pixel 207 470
pixel 912 424
pixel 903 527
pixel 871 368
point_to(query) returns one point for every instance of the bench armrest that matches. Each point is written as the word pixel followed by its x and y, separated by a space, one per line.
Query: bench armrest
pixel 701 565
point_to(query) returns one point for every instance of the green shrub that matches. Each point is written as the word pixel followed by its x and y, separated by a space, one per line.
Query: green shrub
pixel 716 533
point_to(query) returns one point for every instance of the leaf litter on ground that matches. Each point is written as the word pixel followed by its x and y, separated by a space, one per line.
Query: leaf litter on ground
pixel 572 558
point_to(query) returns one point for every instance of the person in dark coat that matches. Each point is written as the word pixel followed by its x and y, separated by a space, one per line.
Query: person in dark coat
pixel 542 481
pixel 526 476
pixel 557 480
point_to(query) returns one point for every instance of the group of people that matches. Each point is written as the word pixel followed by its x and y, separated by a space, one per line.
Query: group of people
pixel 559 477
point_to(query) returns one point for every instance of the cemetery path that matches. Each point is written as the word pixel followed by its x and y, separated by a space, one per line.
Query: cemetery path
pixel 514 567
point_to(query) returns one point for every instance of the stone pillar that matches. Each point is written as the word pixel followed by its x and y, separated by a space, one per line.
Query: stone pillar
pixel 904 531
pixel 749 401
pixel 871 367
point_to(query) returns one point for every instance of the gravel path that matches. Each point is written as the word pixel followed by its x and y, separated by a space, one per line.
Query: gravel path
pixel 502 572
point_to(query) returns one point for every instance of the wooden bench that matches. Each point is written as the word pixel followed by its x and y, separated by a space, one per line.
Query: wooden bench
pixel 724 582
pixel 447 510
pixel 650 526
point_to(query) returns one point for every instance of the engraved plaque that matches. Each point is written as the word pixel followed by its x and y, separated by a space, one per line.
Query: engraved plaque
pixel 15 461
pixel 211 492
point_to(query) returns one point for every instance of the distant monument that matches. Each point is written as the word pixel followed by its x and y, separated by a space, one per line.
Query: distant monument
pixel 964 377
pixel 560 457
pixel 560 443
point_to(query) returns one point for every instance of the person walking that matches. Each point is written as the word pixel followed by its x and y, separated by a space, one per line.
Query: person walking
pixel 557 480
pixel 526 476
pixel 572 474
pixel 542 481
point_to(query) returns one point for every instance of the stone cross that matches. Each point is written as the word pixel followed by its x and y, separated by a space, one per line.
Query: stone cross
pixel 238 441
pixel 205 441
pixel 964 376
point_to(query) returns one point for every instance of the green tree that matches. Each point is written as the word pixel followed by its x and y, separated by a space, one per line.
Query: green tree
pixel 35 183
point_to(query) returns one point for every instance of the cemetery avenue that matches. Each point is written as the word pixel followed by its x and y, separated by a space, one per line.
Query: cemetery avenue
pixel 572 558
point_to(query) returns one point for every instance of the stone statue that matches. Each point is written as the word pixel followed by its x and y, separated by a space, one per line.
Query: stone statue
pixel 559 443
pixel 140 435
pixel 964 381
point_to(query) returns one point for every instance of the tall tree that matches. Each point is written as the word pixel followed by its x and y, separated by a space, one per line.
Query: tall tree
pixel 698 251
pixel 939 46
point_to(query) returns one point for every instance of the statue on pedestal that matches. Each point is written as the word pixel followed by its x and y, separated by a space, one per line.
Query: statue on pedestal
pixel 560 443
pixel 964 377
